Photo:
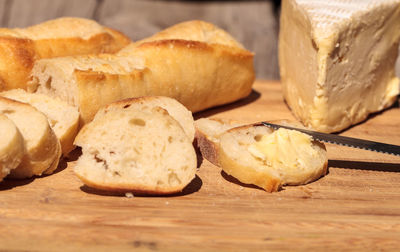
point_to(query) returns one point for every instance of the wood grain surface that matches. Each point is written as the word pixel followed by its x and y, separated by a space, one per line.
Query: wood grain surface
pixel 356 206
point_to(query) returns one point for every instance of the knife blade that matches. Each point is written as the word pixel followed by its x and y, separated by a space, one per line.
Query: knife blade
pixel 344 141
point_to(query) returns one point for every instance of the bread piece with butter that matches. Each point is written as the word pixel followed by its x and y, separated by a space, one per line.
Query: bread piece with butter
pixel 12 147
pixel 63 118
pixel 269 158
pixel 173 107
pixel 136 151
pixel 337 59
pixel 194 62
pixel 20 48
pixel 43 149
pixel 208 131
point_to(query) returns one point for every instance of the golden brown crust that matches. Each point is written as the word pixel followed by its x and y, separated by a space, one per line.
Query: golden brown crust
pixel 195 30
pixel 197 45
pixel 128 188
pixel 248 175
pixel 17 56
pixel 200 67
pixel 196 74
pixel 120 41
pixel 18 52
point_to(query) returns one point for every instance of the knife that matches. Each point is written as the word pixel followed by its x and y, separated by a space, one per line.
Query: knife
pixel 344 141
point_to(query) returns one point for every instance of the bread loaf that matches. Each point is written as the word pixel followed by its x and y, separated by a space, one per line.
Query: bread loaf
pixel 173 107
pixel 194 62
pixel 63 118
pixel 20 48
pixel 269 158
pixel 12 146
pixel 135 151
pixel 43 149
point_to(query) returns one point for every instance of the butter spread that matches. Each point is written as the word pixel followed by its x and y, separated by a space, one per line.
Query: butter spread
pixel 284 150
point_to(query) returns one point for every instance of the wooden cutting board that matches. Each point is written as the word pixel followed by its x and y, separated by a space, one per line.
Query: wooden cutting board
pixel 355 207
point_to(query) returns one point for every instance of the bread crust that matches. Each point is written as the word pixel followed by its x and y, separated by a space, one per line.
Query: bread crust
pixel 208 148
pixel 20 48
pixel 208 142
pixel 248 175
pixel 198 73
pixel 126 188
pixel 17 56
pixel 195 30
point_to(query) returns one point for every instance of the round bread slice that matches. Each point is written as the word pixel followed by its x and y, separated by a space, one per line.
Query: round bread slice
pixel 136 151
pixel 208 132
pixel 11 146
pixel 63 118
pixel 41 143
pixel 259 155
pixel 174 108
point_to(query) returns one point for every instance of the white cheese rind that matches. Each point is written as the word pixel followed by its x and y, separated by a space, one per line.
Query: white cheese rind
pixel 337 59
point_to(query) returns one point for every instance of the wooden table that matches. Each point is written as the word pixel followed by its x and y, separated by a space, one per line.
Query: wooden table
pixel 355 207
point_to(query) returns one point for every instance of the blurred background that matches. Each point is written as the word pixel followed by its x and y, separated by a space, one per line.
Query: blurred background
pixel 254 23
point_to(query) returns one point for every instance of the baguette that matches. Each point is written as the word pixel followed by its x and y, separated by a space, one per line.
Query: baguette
pixel 20 48
pixel 43 150
pixel 12 146
pixel 135 151
pixel 268 158
pixel 197 64
pixel 63 118
pixel 173 107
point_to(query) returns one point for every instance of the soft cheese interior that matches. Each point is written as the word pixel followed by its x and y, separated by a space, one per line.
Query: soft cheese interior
pixel 337 59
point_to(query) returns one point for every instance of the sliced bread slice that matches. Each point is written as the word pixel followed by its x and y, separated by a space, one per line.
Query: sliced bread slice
pixel 208 131
pixel 63 118
pixel 179 112
pixel 268 158
pixel 136 151
pixel 12 147
pixel 42 145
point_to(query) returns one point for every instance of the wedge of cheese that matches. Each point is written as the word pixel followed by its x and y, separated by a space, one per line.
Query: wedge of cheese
pixel 337 59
